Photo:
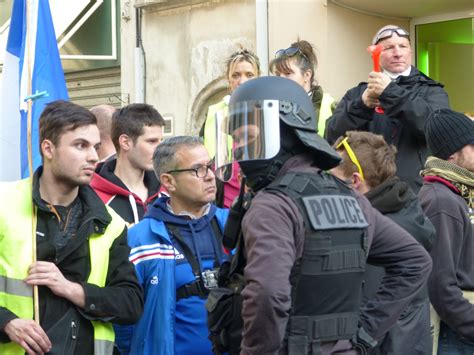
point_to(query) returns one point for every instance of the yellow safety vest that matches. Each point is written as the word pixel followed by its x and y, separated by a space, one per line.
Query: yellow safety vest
pixel 325 111
pixel 16 256
pixel 210 125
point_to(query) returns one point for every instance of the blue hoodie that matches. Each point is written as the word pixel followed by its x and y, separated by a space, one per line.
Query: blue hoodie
pixel 167 326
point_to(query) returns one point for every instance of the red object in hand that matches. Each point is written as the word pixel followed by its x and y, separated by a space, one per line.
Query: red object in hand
pixel 375 51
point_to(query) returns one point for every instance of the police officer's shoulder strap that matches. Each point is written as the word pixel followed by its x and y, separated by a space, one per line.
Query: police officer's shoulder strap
pixel 294 184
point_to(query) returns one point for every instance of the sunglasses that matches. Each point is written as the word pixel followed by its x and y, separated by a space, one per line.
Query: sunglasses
pixel 352 156
pixel 389 33
pixel 289 52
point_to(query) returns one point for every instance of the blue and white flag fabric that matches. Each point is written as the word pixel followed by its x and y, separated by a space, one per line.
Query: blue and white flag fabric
pixel 31 48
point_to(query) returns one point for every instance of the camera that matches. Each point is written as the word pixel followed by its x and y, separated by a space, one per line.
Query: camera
pixel 209 278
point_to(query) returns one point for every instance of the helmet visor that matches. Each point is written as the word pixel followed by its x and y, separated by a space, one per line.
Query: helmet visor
pixel 249 130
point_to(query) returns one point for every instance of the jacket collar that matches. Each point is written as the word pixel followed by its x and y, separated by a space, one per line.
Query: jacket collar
pixel 94 208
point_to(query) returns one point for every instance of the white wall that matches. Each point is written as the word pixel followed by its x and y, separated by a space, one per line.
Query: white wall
pixel 185 50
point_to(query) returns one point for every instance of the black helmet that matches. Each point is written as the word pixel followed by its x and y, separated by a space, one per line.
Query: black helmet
pixel 295 110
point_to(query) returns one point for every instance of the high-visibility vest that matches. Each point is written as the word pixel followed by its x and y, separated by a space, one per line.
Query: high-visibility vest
pixel 209 137
pixel 325 111
pixel 16 256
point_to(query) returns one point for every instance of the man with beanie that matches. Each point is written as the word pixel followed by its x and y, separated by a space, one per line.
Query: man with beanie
pixel 407 97
pixel 447 197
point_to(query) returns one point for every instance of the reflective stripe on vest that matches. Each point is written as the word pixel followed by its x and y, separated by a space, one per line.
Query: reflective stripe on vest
pixel 325 111
pixel 16 257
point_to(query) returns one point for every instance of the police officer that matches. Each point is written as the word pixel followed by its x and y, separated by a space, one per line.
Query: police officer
pixel 307 235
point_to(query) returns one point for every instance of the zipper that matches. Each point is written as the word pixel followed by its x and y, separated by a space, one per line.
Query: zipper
pixel 73 330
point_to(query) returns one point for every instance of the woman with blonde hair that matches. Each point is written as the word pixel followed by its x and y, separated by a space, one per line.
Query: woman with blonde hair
pixel 241 66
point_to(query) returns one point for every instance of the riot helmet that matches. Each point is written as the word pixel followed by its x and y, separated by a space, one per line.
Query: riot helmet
pixel 269 119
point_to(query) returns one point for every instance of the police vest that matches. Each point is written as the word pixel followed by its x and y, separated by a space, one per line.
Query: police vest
pixel 16 227
pixel 327 280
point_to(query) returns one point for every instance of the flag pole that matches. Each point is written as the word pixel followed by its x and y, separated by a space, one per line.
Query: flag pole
pixel 30 153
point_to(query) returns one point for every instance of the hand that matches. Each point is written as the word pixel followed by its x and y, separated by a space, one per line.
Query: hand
pixel 43 273
pixel 29 335
pixel 377 83
pixel 369 101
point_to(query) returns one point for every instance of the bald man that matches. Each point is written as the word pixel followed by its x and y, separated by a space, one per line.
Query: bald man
pixel 103 114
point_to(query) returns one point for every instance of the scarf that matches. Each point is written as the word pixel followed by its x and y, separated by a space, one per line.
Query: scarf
pixel 461 178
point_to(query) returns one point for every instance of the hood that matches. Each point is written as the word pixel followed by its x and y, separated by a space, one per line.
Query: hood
pixel 396 200
pixel 106 182
pixel 160 212
pixel 390 196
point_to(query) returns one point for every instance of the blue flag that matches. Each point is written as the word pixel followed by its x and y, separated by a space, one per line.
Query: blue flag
pixel 31 48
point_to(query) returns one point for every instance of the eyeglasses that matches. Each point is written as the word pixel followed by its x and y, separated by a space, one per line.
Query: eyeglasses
pixel 387 33
pixel 290 52
pixel 201 171
pixel 352 155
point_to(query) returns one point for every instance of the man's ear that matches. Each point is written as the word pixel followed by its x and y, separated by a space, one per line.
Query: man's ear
pixel 125 142
pixel 168 181
pixel 356 180
pixel 47 148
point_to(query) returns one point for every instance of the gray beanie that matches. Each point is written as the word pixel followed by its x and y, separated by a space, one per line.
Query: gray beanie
pixel 448 131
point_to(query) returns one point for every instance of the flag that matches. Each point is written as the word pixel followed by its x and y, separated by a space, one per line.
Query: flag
pixel 32 45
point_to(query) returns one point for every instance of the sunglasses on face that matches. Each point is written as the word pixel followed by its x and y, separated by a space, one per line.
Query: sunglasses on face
pixel 289 52
pixel 389 33
pixel 352 156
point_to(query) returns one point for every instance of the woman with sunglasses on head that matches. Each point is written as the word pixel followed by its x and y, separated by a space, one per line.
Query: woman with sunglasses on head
pixel 298 63
pixel 241 66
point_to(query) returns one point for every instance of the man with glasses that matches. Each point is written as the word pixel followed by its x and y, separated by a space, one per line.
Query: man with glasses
pixel 368 166
pixel 177 251
pixel 406 96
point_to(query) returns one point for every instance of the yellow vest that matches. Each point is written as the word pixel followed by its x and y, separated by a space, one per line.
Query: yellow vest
pixel 325 111
pixel 16 256
pixel 210 125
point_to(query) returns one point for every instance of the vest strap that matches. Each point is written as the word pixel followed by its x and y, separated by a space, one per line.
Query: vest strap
pixel 325 327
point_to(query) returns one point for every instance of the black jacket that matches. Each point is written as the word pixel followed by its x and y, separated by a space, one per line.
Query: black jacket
pixel 120 301
pixel 411 334
pixel 407 102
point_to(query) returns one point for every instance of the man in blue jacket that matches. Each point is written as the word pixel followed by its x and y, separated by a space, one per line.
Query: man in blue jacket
pixel 177 251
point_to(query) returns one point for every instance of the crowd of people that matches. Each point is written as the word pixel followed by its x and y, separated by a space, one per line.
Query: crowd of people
pixel 293 225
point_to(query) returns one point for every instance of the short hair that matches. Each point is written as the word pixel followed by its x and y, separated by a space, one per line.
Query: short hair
pixel 103 114
pixel 61 116
pixel 243 55
pixel 131 119
pixel 164 157
pixel 387 27
pixel 375 156
pixel 306 59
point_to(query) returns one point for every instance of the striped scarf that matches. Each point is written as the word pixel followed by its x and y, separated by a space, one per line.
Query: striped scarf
pixel 461 178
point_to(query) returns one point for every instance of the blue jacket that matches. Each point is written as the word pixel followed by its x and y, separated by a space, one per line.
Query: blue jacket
pixel 153 255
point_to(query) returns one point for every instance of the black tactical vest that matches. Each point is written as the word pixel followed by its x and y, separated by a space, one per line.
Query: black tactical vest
pixel 327 280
